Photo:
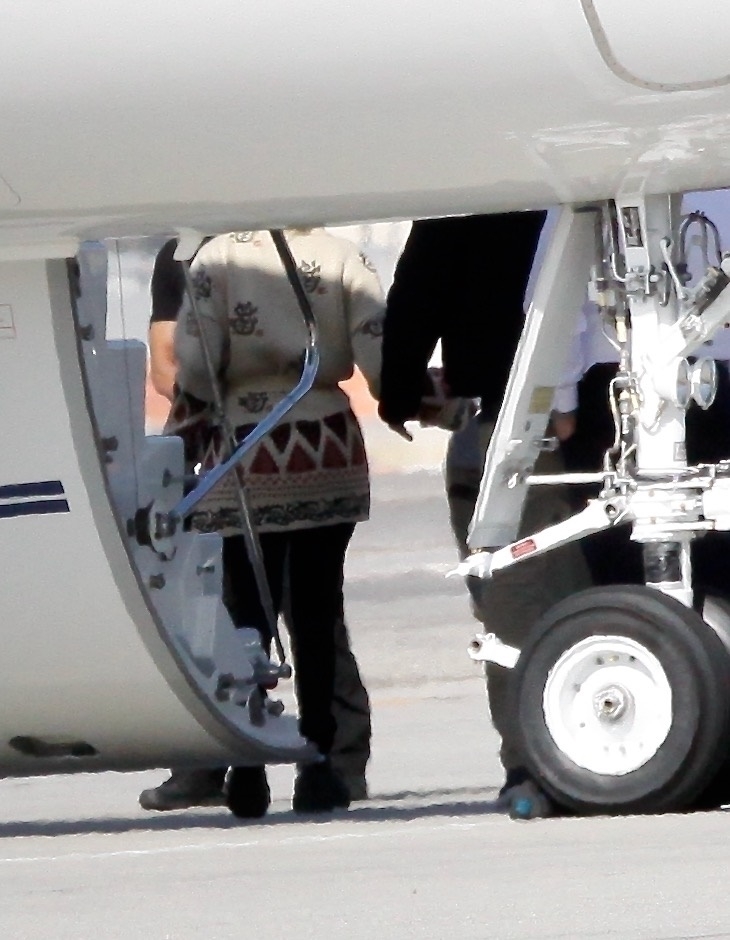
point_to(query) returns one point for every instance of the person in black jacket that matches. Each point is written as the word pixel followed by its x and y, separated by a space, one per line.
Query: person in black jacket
pixel 463 280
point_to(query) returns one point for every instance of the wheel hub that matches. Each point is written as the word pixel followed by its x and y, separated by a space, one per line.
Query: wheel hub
pixel 611 703
pixel 607 704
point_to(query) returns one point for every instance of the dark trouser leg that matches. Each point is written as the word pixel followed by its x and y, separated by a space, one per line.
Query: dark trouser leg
pixel 240 591
pixel 351 710
pixel 350 706
pixel 511 602
pixel 316 565
pixel 249 792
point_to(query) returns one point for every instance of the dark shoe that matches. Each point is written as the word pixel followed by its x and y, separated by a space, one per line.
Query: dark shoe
pixel 528 801
pixel 247 792
pixel 318 788
pixel 523 798
pixel 352 774
pixel 357 787
pixel 186 788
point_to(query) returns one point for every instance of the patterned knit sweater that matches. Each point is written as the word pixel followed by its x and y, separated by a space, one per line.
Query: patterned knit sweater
pixel 311 470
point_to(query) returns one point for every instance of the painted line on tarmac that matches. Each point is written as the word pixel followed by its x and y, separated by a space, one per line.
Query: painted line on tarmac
pixel 249 843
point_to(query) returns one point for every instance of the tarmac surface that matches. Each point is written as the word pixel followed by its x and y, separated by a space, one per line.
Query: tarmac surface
pixel 426 857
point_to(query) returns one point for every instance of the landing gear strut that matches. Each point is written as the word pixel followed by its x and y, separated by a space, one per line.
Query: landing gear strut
pixel 623 692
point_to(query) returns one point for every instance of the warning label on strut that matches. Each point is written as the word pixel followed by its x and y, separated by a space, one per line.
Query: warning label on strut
pixel 525 547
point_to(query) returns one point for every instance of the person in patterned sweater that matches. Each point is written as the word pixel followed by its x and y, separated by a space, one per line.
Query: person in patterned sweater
pixel 351 749
pixel 307 482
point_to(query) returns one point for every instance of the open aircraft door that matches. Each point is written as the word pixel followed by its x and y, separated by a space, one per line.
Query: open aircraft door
pixel 115 654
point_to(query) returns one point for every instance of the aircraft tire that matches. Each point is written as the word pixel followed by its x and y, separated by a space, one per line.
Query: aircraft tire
pixel 623 699
pixel 716 611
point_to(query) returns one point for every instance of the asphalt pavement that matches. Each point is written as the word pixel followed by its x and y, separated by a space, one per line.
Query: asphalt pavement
pixel 426 857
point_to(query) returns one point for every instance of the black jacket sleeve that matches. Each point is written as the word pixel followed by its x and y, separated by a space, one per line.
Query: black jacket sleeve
pixel 411 329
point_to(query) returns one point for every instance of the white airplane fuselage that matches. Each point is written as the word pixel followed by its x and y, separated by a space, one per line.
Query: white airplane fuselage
pixel 138 118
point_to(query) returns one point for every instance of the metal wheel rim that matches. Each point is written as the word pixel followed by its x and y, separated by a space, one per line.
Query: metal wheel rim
pixel 607 705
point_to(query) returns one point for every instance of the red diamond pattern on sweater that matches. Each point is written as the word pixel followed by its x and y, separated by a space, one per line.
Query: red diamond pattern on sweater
pixel 300 461
pixel 333 456
pixel 263 462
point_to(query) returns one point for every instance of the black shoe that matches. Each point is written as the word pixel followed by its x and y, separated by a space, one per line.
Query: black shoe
pixel 186 788
pixel 247 792
pixel 318 788
pixel 357 787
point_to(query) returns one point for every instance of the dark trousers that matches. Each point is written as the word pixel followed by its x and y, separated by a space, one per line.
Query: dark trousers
pixel 511 602
pixel 311 563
